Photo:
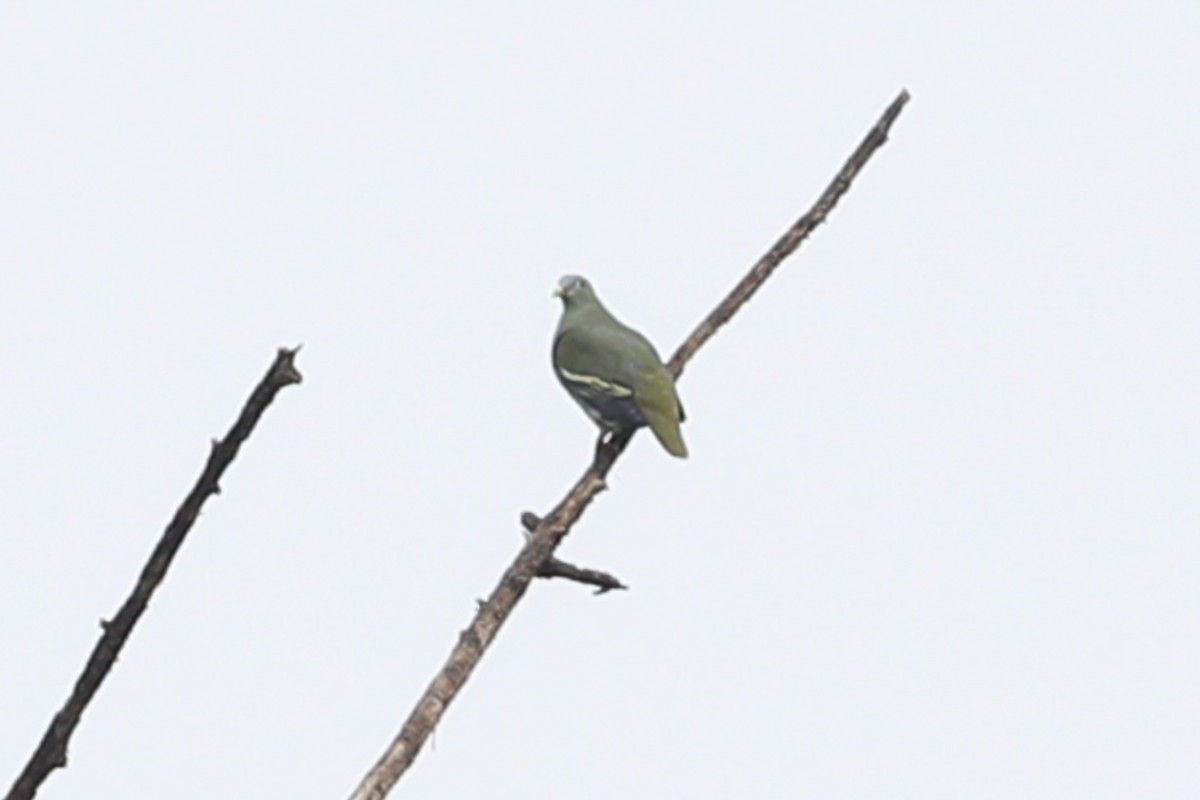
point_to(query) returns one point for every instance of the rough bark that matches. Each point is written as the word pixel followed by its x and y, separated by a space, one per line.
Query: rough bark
pixel 51 752
pixel 550 531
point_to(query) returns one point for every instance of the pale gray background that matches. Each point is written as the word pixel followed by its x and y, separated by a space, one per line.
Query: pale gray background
pixel 937 537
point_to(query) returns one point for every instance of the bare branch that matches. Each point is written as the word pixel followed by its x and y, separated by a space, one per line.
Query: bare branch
pixel 787 243
pixel 51 752
pixel 554 526
pixel 557 568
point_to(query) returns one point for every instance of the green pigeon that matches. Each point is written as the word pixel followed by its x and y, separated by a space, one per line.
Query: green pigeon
pixel 612 371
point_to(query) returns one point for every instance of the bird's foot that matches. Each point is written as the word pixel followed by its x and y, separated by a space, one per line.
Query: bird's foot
pixel 605 448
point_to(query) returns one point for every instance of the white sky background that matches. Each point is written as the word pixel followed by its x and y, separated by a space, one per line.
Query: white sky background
pixel 938 534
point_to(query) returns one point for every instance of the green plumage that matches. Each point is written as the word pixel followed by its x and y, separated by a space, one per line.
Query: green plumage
pixel 612 371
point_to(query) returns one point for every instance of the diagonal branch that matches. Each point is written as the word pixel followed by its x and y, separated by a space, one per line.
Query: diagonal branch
pixel 51 752
pixel 557 568
pixel 554 526
pixel 788 243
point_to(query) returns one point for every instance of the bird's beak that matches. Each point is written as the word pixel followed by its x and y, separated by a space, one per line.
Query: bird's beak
pixel 558 292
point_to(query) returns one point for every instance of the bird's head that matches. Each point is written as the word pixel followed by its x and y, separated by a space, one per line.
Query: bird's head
pixel 573 289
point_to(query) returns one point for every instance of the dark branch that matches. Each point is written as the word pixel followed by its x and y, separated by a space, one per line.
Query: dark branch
pixel 557 568
pixel 51 752
pixel 555 525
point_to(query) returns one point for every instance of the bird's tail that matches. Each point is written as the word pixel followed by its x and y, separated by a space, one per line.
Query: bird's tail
pixel 666 430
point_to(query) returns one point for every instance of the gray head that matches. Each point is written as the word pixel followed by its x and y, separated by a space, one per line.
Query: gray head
pixel 574 289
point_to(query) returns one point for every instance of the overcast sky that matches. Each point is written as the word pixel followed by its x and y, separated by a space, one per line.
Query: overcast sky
pixel 937 537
